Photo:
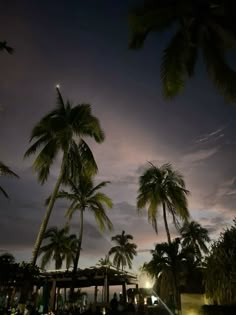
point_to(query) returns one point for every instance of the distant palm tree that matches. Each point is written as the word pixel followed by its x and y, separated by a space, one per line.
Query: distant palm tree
pixel 104 262
pixel 124 251
pixel 200 27
pixel 85 195
pixel 195 236
pixel 62 131
pixel 4 46
pixel 163 187
pixel 6 171
pixel 59 246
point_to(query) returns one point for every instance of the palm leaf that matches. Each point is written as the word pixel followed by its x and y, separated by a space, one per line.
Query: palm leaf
pixel 99 186
pixel 173 69
pixel 149 18
pixel 223 77
pixel 45 159
pixel 4 192
pixel 88 162
pixel 6 171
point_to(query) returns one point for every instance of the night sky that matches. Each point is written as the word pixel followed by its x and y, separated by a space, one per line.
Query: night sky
pixel 83 45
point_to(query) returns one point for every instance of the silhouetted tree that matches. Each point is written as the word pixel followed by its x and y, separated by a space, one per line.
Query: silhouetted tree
pixel 163 187
pixel 220 273
pixel 60 246
pixel 62 131
pixel 124 251
pixel 204 27
pixel 195 236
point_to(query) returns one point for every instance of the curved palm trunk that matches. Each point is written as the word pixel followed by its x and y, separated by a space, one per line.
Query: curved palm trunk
pixel 44 223
pixel 76 261
pixel 176 289
pixel 166 224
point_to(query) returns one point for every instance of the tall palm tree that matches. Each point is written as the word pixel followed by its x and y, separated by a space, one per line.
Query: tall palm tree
pixel 163 187
pixel 195 236
pixel 59 246
pixel 85 195
pixel 4 46
pixel 6 171
pixel 204 27
pixel 124 251
pixel 60 134
pixel 170 267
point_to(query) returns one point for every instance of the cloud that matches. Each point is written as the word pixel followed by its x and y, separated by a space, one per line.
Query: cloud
pixel 216 134
pixel 199 155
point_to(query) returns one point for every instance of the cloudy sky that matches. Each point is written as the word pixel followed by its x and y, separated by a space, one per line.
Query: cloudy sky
pixel 83 45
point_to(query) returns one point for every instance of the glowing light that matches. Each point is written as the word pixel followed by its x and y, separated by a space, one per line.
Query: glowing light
pixel 148 285
pixel 58 86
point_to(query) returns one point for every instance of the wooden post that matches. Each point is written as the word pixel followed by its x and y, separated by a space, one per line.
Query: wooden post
pixel 53 295
pixel 64 296
pixel 124 292
pixel 106 288
pixel 95 294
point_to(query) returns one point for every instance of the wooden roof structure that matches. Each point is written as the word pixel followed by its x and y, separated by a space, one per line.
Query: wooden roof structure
pixel 93 276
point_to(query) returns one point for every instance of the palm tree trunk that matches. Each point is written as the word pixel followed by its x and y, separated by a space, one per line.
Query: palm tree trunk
pixel 176 289
pixel 166 224
pixel 76 261
pixel 44 223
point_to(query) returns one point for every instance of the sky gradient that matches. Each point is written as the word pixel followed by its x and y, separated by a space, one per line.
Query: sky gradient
pixel 83 45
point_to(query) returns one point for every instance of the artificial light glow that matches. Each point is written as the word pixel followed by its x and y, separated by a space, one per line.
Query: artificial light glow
pixel 148 285
pixel 154 299
pixel 58 86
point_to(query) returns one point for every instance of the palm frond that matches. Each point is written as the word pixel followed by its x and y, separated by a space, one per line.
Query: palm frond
pixel 223 77
pixel 99 186
pixel 146 19
pixel 88 162
pixel 4 192
pixel 85 124
pixel 173 69
pixel 6 171
pixel 45 159
pixel 35 146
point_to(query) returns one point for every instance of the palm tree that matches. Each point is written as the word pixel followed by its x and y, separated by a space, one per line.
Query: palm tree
pixel 124 251
pixel 162 186
pixel 195 236
pixel 59 246
pixel 4 46
pixel 200 27
pixel 62 131
pixel 85 195
pixel 165 258
pixel 6 171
